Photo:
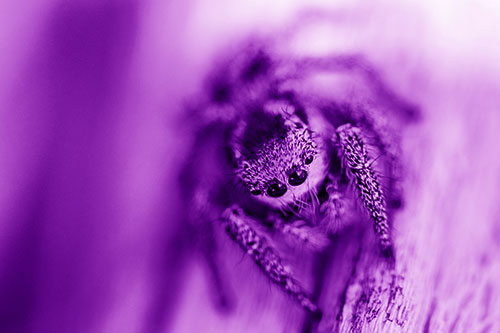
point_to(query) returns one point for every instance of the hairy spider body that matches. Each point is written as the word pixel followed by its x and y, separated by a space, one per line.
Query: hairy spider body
pixel 271 158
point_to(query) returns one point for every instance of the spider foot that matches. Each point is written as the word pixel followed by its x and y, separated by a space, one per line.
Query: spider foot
pixel 313 238
pixel 333 209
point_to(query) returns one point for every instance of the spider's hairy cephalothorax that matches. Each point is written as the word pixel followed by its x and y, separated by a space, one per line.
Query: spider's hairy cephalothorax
pixel 275 153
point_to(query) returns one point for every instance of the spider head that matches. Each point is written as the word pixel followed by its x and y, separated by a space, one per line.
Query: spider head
pixel 277 156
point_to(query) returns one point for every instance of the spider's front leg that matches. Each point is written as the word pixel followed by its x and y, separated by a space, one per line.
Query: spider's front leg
pixel 201 210
pixel 352 150
pixel 238 226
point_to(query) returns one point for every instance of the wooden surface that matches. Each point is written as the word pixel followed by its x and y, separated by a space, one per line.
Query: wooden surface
pixel 447 273
pixel 447 236
pixel 446 277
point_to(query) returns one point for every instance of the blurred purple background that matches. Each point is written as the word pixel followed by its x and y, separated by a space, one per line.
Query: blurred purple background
pixel 90 94
pixel 84 147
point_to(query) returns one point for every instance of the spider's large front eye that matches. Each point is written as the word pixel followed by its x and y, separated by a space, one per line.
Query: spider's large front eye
pixel 297 177
pixel 276 189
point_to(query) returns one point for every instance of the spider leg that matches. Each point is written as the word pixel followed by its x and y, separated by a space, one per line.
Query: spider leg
pixel 357 64
pixel 222 295
pixel 237 225
pixel 200 219
pixel 353 152
pixel 312 237
pixel 300 233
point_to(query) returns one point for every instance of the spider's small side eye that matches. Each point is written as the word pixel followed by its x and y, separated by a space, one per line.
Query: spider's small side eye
pixel 256 192
pixel 309 159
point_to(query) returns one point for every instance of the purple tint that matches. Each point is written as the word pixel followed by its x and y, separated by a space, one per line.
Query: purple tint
pixel 219 166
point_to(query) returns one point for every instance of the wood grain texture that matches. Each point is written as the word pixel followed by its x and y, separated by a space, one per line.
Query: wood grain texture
pixel 447 240
pixel 447 237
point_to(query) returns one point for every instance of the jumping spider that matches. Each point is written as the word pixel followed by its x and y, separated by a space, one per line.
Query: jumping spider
pixel 273 153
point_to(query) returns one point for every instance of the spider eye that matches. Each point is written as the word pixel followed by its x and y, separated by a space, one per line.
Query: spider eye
pixel 256 192
pixel 276 190
pixel 309 159
pixel 297 177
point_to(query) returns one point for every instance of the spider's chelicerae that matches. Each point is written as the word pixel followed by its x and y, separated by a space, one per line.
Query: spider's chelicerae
pixel 296 146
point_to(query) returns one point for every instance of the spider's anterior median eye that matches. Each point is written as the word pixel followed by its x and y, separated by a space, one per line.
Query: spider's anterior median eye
pixel 297 177
pixel 256 192
pixel 309 160
pixel 276 189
